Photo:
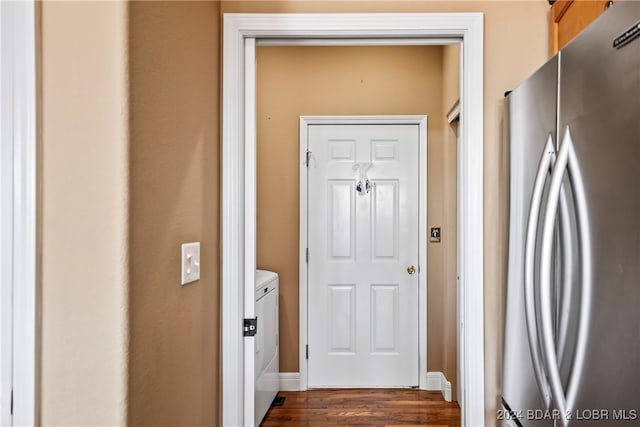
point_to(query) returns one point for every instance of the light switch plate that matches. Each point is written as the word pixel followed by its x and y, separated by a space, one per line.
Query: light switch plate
pixel 190 262
pixel 435 235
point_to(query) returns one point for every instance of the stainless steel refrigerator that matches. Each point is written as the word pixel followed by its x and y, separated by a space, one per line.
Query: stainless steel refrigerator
pixel 572 324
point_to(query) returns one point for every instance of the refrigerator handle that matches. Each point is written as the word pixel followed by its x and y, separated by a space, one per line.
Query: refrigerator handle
pixel 546 162
pixel 586 259
pixel 546 302
pixel 566 248
pixel 566 161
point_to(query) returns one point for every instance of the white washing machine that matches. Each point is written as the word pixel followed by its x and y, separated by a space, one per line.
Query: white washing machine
pixel 267 361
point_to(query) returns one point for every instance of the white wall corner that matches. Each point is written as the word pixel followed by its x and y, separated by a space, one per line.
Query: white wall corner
pixel 289 381
pixel 436 381
pixel 446 389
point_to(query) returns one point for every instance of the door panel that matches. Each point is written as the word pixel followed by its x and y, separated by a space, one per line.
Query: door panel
pixel 385 220
pixel 384 319
pixel 342 318
pixel 342 219
pixel 362 234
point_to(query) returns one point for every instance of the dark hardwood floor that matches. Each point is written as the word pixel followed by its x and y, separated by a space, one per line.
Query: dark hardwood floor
pixel 363 407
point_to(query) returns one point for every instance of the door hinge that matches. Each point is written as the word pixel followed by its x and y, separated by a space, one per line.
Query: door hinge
pixel 250 327
pixel 307 159
pixel 307 256
pixel 11 405
pixel 307 352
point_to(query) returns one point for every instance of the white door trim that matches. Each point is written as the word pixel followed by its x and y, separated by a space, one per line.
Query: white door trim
pixel 421 121
pixel 358 42
pixel 18 187
pixel 468 28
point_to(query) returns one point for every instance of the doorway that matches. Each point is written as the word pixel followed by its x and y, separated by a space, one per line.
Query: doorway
pixel 362 216
pixel 241 32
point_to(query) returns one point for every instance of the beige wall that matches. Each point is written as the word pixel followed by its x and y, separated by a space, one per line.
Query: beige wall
pixel 295 81
pixel 515 44
pixel 174 349
pixel 448 297
pixel 84 207
pixel 130 113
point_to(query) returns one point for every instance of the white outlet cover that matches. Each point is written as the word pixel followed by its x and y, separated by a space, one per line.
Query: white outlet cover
pixel 190 262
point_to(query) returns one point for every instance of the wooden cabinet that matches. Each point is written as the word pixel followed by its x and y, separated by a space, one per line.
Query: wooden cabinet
pixel 569 17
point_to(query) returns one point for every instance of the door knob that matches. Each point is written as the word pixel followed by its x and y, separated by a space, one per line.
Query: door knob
pixel 411 269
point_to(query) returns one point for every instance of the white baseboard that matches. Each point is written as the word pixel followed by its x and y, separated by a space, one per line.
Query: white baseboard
pixel 289 381
pixel 436 381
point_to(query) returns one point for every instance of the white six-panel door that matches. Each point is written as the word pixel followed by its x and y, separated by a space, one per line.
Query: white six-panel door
pixel 362 289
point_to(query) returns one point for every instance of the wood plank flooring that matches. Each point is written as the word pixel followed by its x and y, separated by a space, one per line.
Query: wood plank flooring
pixel 363 407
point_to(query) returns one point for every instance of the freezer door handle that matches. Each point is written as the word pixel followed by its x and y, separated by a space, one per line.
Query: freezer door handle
pixel 544 166
pixel 566 162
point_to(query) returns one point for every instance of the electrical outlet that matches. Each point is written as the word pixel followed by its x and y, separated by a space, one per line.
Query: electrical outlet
pixel 190 262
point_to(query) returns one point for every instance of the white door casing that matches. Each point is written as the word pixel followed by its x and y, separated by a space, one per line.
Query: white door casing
pixel 362 196
pixel 239 174
pixel 18 195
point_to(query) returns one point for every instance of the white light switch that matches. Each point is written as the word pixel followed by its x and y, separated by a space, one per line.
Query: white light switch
pixel 190 262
